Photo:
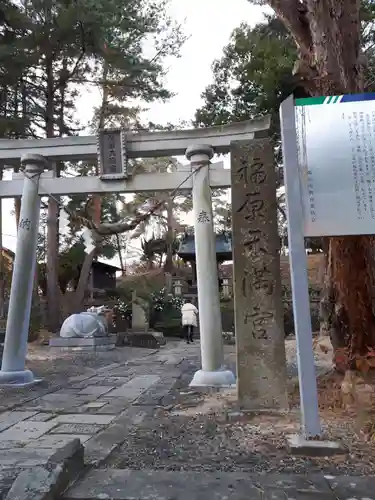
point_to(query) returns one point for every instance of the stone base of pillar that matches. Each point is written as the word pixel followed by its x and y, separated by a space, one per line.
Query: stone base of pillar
pixel 218 378
pixel 24 378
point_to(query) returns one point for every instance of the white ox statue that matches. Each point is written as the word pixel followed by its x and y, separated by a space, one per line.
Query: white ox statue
pixel 90 323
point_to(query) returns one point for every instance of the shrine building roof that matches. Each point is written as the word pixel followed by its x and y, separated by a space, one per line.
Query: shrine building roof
pixel 223 247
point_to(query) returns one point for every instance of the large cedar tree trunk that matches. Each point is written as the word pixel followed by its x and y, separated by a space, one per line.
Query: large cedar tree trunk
pixel 169 237
pixel 53 295
pixel 17 203
pixel 2 264
pixel 327 33
pixel 119 251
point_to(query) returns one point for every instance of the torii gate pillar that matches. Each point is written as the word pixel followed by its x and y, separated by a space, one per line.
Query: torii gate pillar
pixel 13 370
pixel 213 372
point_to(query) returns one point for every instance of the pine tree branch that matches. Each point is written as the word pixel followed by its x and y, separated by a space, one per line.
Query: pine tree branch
pixel 69 74
pixel 122 227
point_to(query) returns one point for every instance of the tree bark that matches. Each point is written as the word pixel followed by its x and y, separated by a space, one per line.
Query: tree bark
pixel 2 267
pixel 119 251
pixel 168 265
pixel 79 295
pixel 327 34
pixel 327 304
pixel 53 308
pixel 91 256
pixel 17 204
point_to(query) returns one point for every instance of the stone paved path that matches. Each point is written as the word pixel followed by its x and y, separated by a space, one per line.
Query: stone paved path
pixel 113 484
pixel 120 405
pixel 85 396
pixel 58 370
pixel 84 406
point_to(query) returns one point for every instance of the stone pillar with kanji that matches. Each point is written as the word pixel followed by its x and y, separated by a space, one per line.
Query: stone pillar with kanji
pixel 261 365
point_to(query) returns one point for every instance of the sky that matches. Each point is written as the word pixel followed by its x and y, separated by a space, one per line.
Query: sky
pixel 209 24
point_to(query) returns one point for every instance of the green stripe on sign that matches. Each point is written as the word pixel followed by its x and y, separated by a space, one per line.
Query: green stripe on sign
pixel 333 99
pixel 309 101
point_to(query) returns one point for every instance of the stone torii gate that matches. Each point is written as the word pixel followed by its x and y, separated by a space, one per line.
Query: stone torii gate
pixel 259 330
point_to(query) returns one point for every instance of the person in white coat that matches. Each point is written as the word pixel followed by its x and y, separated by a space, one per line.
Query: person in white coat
pixel 189 320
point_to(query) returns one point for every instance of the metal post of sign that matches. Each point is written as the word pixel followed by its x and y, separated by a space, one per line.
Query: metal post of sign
pixel 298 270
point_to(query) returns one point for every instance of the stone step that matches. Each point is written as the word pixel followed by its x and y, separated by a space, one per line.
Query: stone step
pixel 125 484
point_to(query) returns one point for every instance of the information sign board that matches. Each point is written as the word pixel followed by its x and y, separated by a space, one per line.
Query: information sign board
pixel 336 152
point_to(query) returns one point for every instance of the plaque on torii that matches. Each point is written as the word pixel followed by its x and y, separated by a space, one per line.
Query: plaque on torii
pixel 112 155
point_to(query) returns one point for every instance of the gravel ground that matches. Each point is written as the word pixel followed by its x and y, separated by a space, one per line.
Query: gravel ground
pixel 210 442
pixel 205 432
